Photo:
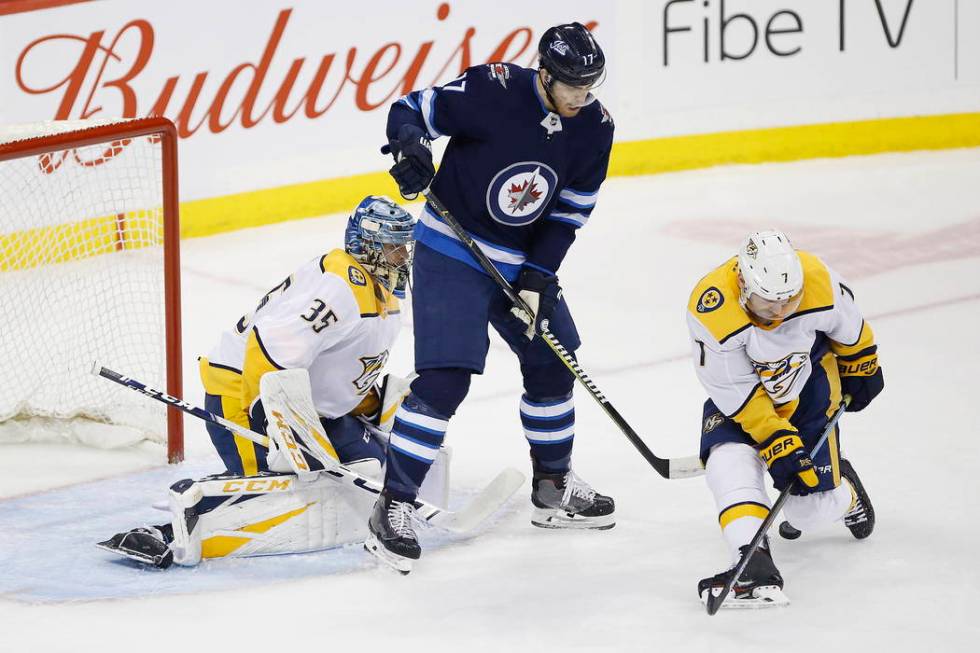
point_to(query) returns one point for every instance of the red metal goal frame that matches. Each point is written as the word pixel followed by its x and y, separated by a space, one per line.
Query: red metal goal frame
pixel 165 130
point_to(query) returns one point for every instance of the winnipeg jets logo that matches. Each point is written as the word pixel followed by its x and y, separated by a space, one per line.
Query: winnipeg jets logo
pixel 372 370
pixel 519 193
pixel 560 47
pixel 500 72
pixel 779 377
pixel 522 195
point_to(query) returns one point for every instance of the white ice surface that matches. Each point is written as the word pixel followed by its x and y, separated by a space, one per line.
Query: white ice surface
pixel 904 229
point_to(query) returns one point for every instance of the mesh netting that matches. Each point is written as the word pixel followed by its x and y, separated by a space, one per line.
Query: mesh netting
pixel 81 279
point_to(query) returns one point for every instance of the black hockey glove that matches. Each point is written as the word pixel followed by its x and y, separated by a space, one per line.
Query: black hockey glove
pixel 862 389
pixel 788 461
pixel 413 169
pixel 541 292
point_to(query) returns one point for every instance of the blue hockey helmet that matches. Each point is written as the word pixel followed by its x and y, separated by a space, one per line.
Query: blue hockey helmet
pixel 380 236
pixel 571 55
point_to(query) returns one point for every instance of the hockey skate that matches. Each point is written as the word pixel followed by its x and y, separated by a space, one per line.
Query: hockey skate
pixel 566 501
pixel 760 586
pixel 392 538
pixel 859 518
pixel 148 546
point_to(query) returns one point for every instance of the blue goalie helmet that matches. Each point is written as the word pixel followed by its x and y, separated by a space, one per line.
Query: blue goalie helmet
pixel 571 55
pixel 379 236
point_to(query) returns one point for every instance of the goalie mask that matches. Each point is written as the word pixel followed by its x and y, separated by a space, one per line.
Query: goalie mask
pixel 380 237
pixel 770 276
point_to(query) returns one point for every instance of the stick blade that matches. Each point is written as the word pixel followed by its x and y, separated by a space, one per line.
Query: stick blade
pixel 487 502
pixel 687 467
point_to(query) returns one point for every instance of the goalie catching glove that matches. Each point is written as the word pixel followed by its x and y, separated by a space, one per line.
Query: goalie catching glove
pixel 542 294
pixel 786 459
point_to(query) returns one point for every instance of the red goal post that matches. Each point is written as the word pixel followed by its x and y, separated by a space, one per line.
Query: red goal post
pixel 90 267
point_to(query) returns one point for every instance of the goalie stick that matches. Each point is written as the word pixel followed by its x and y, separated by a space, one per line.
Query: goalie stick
pixel 480 508
pixel 714 601
pixel 686 467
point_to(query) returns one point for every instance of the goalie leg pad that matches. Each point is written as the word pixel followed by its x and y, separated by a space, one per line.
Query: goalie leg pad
pixel 240 516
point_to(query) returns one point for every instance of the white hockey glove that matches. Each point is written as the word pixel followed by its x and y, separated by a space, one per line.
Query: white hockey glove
pixel 294 427
pixel 542 294
pixel 392 390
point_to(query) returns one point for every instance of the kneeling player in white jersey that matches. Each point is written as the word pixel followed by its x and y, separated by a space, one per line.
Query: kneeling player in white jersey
pixel 336 317
pixel 778 341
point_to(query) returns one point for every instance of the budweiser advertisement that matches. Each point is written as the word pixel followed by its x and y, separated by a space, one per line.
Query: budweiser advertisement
pixel 272 94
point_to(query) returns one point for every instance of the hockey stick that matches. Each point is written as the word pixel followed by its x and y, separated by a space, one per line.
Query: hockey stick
pixel 492 497
pixel 666 467
pixel 714 601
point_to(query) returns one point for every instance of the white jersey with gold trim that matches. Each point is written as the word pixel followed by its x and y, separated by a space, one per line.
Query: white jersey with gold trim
pixel 329 317
pixel 751 370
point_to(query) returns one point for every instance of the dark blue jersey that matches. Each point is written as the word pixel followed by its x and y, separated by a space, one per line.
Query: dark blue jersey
pixel 519 178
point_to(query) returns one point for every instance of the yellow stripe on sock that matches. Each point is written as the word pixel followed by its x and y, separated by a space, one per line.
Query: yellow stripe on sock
pixel 739 510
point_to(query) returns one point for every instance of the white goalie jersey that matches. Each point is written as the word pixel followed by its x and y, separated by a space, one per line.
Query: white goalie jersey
pixel 752 371
pixel 329 317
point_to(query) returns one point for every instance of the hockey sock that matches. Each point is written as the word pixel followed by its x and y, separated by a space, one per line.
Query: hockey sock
pixel 549 426
pixel 416 436
pixel 813 511
pixel 736 478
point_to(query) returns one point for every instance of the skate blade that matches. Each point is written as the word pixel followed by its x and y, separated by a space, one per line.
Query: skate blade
pixel 399 563
pixel 150 561
pixel 546 518
pixel 764 596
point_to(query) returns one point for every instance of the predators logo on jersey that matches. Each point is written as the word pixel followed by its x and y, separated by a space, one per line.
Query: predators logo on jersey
pixel 712 422
pixel 372 369
pixel 778 378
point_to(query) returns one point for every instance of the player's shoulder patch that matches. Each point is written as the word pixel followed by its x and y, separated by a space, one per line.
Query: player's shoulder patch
pixel 606 117
pixel 356 276
pixel 714 303
pixel 710 300
pixel 341 264
pixel 499 72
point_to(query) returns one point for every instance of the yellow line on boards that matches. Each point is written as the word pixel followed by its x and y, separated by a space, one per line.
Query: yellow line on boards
pixel 794 143
pixel 205 217
pixel 339 195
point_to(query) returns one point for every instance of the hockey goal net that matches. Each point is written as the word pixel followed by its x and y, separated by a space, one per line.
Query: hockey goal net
pixel 89 270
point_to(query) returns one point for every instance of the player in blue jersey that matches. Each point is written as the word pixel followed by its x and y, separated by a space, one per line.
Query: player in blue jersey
pixel 527 152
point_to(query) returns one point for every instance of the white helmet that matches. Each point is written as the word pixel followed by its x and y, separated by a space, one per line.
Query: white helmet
pixel 770 275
